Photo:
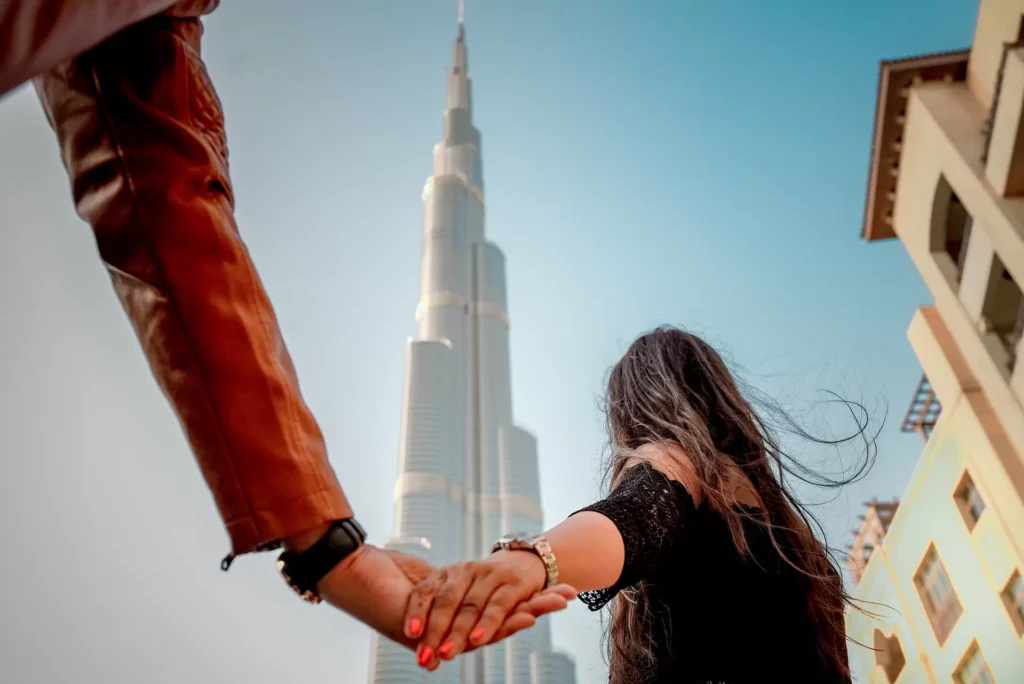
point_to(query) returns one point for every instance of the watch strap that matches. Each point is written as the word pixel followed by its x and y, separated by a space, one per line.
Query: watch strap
pixel 543 549
pixel 538 545
pixel 303 570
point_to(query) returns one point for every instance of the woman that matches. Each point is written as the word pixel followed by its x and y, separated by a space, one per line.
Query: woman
pixel 710 561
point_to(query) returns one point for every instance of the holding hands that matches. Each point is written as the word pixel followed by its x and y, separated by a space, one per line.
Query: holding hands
pixel 377 586
pixel 462 607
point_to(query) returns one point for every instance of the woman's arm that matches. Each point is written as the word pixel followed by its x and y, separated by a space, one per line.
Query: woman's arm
pixel 589 550
pixel 608 546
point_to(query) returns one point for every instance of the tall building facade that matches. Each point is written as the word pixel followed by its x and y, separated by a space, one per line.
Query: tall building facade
pixel 467 472
pixel 947 180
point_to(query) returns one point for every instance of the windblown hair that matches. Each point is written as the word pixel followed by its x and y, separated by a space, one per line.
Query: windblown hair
pixel 672 387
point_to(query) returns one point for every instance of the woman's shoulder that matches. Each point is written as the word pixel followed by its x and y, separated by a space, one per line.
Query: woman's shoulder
pixel 647 483
pixel 670 461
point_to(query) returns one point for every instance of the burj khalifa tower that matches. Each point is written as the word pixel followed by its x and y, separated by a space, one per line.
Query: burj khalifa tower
pixel 467 472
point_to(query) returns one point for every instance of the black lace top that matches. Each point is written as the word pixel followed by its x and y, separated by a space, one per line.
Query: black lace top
pixel 716 616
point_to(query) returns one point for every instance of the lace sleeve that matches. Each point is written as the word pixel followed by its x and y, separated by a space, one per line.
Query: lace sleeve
pixel 649 510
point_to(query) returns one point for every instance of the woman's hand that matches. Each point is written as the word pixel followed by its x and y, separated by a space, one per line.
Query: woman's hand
pixel 464 606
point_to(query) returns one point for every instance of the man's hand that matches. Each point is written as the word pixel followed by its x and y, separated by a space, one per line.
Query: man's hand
pixel 374 585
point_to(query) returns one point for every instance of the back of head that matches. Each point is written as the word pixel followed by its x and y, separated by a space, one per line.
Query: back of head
pixel 671 387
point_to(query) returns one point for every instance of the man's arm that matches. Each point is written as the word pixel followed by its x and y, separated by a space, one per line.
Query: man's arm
pixel 141 133
pixel 37 35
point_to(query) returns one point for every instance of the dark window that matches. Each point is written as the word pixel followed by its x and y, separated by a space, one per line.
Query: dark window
pixel 951 231
pixel 958 233
pixel 968 500
pixel 1013 599
pixel 1003 310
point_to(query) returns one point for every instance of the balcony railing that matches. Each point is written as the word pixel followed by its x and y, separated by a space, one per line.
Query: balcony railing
pixel 924 410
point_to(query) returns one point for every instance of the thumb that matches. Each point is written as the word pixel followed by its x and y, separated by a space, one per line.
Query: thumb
pixel 415 569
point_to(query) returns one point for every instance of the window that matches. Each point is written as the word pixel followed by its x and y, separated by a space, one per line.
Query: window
pixel 888 655
pixel 1003 310
pixel 951 232
pixel 972 668
pixel 940 600
pixel 958 233
pixel 1013 599
pixel 968 500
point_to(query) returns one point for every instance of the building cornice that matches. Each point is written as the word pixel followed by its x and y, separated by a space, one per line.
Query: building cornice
pixel 895 79
pixel 442 298
pixel 510 503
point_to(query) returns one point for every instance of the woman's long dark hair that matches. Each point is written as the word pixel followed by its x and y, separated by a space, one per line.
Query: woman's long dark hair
pixel 671 387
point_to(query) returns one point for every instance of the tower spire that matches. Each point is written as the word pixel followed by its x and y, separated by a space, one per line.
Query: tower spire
pixel 459 62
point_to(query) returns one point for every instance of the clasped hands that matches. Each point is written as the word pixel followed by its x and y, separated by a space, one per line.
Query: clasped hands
pixel 445 611
pixel 462 607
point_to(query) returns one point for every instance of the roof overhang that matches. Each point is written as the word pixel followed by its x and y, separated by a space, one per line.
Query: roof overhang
pixel 894 83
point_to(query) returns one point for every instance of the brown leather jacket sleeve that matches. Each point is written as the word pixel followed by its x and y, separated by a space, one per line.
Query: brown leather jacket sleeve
pixel 36 35
pixel 141 133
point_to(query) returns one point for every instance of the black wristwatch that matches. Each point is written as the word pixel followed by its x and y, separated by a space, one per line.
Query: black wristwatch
pixel 302 570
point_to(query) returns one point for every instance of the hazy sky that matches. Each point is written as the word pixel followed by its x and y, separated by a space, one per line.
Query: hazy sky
pixel 696 163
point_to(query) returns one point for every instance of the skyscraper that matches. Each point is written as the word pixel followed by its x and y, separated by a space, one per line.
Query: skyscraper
pixel 467 472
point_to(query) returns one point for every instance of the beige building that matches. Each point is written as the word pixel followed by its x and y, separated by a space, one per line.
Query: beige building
pixel 947 179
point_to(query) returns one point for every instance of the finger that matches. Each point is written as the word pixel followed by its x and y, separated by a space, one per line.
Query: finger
pixel 450 598
pixel 420 600
pixel 525 614
pixel 548 601
pixel 473 605
pixel 566 590
pixel 520 619
pixel 498 608
pixel 545 604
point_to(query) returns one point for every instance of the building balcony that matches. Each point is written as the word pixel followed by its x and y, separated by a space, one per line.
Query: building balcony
pixel 924 410
pixel 874 525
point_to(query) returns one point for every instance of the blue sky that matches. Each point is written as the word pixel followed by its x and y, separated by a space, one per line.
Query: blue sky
pixel 701 164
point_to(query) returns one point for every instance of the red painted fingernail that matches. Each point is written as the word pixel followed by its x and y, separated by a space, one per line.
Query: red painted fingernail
pixel 446 649
pixel 415 627
pixel 424 656
pixel 477 634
